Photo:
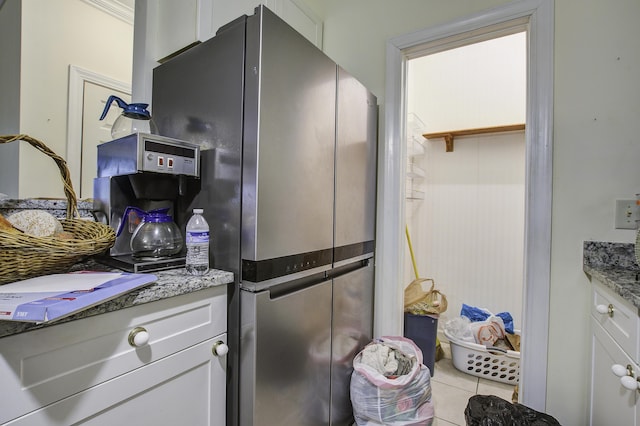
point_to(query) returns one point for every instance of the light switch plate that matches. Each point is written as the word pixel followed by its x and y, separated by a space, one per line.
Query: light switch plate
pixel 627 212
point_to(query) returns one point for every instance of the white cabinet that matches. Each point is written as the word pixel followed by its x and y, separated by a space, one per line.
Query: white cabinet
pixel 611 403
pixel 181 23
pixel 163 28
pixel 614 343
pixel 86 371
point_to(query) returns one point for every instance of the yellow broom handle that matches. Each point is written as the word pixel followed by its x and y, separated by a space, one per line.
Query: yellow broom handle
pixel 413 257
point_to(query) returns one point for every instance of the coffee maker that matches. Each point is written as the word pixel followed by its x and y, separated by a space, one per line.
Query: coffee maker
pixel 148 172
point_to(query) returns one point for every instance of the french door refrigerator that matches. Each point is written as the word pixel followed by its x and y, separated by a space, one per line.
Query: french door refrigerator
pixel 288 187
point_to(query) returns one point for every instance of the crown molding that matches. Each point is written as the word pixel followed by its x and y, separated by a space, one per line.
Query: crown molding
pixel 117 8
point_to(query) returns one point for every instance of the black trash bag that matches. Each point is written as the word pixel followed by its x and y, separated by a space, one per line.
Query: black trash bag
pixel 490 410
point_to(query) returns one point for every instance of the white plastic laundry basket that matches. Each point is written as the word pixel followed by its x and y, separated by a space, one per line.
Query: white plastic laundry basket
pixel 489 363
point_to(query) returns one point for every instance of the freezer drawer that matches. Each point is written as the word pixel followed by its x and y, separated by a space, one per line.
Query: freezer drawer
pixel 285 357
pixel 352 330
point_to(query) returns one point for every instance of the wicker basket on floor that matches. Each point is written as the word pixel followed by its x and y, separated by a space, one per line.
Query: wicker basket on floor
pixel 24 256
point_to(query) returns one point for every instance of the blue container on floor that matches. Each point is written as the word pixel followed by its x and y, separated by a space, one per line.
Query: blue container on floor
pixel 423 330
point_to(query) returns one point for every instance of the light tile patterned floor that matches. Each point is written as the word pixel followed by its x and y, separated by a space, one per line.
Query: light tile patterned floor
pixel 451 390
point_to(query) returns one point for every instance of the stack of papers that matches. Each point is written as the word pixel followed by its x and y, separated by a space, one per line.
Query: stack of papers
pixel 52 297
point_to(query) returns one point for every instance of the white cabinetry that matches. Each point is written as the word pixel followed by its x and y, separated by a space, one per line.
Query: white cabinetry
pixel 86 371
pixel 615 326
pixel 163 28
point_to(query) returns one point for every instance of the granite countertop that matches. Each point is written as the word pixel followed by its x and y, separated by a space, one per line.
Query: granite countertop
pixel 170 283
pixel 615 266
pixel 56 206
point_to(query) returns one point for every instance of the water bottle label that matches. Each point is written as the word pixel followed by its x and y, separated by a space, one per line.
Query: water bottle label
pixel 197 237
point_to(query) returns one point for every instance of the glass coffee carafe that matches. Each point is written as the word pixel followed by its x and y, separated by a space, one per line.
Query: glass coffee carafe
pixel 156 235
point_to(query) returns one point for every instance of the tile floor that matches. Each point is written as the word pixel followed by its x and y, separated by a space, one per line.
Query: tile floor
pixel 451 390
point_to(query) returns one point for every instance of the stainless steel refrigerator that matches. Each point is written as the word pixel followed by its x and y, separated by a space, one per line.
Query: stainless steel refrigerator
pixel 288 187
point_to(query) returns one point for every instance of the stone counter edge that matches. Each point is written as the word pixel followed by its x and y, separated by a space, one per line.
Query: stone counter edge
pixel 170 283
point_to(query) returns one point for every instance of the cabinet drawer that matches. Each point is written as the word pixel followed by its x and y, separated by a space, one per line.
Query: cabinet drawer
pixel 43 366
pixel 620 319
pixel 185 388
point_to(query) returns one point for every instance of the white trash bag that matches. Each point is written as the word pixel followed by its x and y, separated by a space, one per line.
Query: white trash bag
pixel 380 397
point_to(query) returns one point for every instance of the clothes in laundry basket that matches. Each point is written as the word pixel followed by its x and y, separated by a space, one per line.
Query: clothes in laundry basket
pixel 478 314
pixel 487 328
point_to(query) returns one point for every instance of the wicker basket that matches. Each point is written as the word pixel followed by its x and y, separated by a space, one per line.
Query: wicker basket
pixel 23 256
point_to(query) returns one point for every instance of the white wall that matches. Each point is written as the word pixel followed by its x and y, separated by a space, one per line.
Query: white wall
pixel 468 232
pixel 356 32
pixel 480 85
pixel 56 34
pixel 596 154
pixel 596 146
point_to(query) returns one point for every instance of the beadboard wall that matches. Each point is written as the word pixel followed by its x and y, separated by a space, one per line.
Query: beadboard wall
pixel 468 232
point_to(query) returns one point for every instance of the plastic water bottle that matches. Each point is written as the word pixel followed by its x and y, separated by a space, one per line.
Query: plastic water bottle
pixel 197 262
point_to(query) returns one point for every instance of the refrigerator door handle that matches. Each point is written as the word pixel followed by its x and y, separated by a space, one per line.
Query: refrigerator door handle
pixel 349 265
pixel 286 289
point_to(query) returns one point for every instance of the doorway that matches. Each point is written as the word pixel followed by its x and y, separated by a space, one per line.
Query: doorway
pixel 536 18
pixel 465 199
pixel 88 94
pixel 465 205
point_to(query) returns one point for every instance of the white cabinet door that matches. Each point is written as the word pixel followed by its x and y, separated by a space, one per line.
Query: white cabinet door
pixel 166 27
pixel 611 403
pixel 225 11
pixel 176 23
pixel 186 388
pixel 297 14
pixel 180 23
pixel 40 367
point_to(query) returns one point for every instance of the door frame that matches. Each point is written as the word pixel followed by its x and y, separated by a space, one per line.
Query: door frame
pixel 537 17
pixel 77 78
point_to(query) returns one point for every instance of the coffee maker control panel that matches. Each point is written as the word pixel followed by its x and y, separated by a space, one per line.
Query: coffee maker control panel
pixel 144 152
pixel 170 158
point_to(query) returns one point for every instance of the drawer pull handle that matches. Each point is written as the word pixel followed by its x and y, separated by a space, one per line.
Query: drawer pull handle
pixel 622 371
pixel 139 336
pixel 220 348
pixel 629 383
pixel 602 309
pixel 626 375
